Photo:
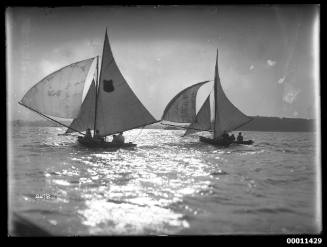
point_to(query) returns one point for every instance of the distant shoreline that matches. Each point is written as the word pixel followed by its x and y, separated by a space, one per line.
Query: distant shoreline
pixel 276 124
pixel 269 124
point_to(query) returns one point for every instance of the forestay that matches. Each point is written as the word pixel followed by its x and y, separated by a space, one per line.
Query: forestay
pixel 182 108
pixel 118 108
pixel 60 93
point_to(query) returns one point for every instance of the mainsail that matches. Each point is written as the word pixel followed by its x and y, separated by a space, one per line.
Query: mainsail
pixel 202 120
pixel 60 93
pixel 182 108
pixel 227 116
pixel 118 108
pixel 85 118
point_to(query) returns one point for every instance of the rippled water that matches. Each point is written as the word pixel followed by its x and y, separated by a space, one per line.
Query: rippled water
pixel 166 185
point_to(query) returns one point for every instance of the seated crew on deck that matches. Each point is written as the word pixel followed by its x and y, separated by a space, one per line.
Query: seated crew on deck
pixel 239 137
pixel 88 134
pixel 97 136
pixel 225 136
pixel 120 139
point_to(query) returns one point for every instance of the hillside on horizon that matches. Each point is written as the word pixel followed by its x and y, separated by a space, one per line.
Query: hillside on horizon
pixel 259 123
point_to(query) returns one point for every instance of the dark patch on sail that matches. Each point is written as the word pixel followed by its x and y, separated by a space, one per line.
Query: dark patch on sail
pixel 77 83
pixel 54 93
pixel 83 68
pixel 108 86
pixel 50 77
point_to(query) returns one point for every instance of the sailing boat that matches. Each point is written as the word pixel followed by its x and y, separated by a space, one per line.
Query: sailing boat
pixel 227 117
pixel 109 107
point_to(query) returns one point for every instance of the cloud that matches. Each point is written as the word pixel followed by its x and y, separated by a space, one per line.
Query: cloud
pixel 76 51
pixel 48 67
pixel 68 53
pixel 251 67
pixel 271 62
pixel 290 94
pixel 281 80
pixel 64 52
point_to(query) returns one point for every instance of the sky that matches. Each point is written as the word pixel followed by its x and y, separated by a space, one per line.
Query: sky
pixel 266 52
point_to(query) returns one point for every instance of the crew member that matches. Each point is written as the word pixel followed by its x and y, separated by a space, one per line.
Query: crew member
pixel 120 138
pixel 225 136
pixel 88 134
pixel 239 137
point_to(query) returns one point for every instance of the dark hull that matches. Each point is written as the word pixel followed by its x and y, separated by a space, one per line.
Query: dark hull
pixel 249 142
pixel 98 144
pixel 214 142
pixel 221 143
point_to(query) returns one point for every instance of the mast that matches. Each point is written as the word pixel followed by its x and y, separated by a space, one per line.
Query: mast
pixel 215 94
pixel 96 96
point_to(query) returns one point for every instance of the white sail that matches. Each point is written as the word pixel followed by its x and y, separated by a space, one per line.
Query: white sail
pixel 118 108
pixel 85 118
pixel 182 108
pixel 60 93
pixel 227 116
pixel 202 120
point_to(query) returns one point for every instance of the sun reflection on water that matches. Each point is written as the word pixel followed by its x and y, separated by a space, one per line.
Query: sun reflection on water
pixel 131 191
pixel 124 218
pixel 166 185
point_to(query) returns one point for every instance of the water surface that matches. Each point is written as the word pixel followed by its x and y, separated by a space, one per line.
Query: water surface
pixel 166 185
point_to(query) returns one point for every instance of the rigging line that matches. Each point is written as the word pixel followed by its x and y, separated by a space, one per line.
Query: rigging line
pixel 123 130
pixel 76 120
pixel 79 124
pixel 182 127
pixel 140 132
pixel 250 120
pixel 44 117
pixel 49 118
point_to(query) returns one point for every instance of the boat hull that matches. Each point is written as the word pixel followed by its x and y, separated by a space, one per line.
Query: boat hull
pixel 221 143
pixel 249 142
pixel 102 144
pixel 213 142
